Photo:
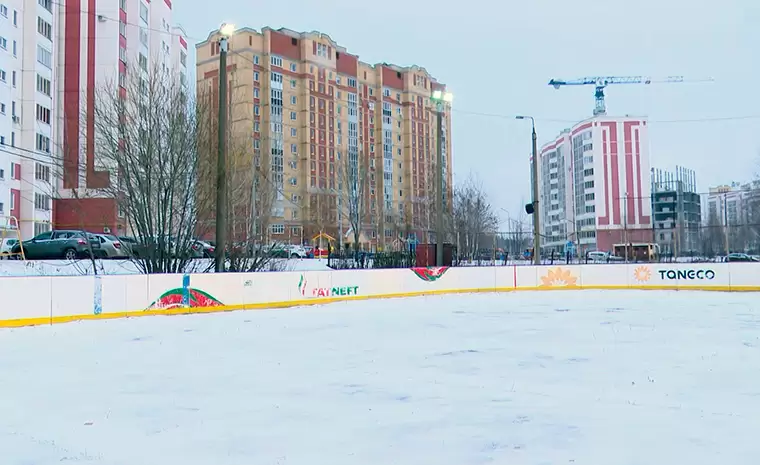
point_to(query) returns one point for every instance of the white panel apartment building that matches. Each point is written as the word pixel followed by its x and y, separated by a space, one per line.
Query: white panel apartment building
pixel 27 123
pixel 53 56
pixel 102 41
pixel 594 188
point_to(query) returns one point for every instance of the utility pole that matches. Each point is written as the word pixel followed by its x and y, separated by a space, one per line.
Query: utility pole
pixel 536 211
pixel 439 190
pixel 725 221
pixel 221 161
pixel 441 99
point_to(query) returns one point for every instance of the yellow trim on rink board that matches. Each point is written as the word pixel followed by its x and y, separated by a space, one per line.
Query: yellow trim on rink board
pixel 19 322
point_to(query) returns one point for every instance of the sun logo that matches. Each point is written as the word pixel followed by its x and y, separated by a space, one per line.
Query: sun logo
pixel 642 274
pixel 558 277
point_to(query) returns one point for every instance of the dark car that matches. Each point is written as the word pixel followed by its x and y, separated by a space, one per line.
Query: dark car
pixel 60 244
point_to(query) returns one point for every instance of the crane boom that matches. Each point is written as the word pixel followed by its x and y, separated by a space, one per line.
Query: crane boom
pixel 600 82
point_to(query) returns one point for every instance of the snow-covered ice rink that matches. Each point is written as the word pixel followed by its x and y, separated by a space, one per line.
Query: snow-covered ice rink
pixel 581 377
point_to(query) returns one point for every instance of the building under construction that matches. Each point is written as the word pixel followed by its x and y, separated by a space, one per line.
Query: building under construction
pixel 677 211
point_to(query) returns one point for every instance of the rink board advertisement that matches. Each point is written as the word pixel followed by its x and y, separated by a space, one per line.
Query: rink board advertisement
pixel 56 299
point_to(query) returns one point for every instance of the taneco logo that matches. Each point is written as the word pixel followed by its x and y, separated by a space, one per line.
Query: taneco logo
pixel 687 274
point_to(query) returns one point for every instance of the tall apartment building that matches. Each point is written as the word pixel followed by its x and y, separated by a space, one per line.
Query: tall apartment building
pixel 593 186
pixel 677 211
pixel 733 213
pixel 99 41
pixel 27 125
pixel 308 107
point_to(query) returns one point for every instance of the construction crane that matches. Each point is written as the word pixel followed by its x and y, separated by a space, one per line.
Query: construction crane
pixel 604 81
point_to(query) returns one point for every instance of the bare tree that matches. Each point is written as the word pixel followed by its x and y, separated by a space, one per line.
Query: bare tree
pixel 147 136
pixel 473 217
pixel 713 236
pixel 353 176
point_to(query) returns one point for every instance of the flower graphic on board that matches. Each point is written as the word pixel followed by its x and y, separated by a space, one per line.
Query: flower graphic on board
pixel 642 274
pixel 175 298
pixel 558 277
pixel 430 274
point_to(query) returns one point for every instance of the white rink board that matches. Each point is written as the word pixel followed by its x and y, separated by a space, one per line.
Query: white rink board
pixel 42 300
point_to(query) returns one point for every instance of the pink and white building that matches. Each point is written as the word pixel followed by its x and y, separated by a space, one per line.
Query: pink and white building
pixel 27 125
pixel 594 185
pixel 100 41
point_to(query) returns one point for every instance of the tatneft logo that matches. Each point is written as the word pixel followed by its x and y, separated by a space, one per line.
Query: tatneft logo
pixel 687 274
pixel 336 291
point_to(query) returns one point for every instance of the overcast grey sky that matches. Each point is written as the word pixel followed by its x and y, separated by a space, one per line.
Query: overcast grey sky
pixel 497 57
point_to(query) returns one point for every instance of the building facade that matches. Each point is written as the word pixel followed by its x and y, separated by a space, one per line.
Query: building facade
pixel 100 42
pixel 27 124
pixel 677 211
pixel 731 217
pixel 593 186
pixel 310 112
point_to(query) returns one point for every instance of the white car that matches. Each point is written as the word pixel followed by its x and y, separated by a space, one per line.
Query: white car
pixel 296 251
pixel 111 246
pixel 7 246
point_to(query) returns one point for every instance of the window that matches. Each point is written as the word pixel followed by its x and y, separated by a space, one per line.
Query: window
pixel 123 29
pixel 13 78
pixel 292 83
pixel 123 4
pixel 3 43
pixel 42 172
pixel 256 110
pixel 43 114
pixel 275 61
pixel 15 171
pixel 143 12
pixel 46 4
pixel 144 36
pixel 293 115
pixel 41 201
pixel 44 57
pixel 123 54
pixel 3 75
pixel 43 85
pixel 143 61
pixel 255 59
pixel 293 67
pixel 182 58
pixel 277 229
pixel 14 47
pixel 293 132
pixel 255 75
pixel 294 148
pixel 42 143
pixel 3 10
pixel 322 50
pixel 2 108
pixel 255 92
pixel 293 99
pixel 44 28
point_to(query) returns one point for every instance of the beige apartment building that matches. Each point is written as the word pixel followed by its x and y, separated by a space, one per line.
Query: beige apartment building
pixel 304 114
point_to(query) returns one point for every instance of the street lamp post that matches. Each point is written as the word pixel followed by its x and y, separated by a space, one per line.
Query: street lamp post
pixel 225 31
pixel 534 180
pixel 441 99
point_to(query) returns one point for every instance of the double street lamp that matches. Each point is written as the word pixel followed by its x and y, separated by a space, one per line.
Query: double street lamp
pixel 441 99
pixel 532 208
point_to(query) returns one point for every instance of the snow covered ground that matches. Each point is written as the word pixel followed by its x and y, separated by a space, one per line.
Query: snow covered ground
pixel 581 377
pixel 84 267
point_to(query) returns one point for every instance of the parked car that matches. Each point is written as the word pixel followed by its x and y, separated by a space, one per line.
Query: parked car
pixel 6 247
pixel 59 244
pixel 111 247
pixel 296 251
pixel 740 257
pixel 204 249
